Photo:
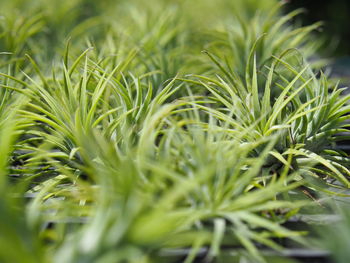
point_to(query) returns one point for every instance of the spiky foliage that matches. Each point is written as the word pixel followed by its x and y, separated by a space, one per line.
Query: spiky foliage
pixel 127 144
pixel 307 111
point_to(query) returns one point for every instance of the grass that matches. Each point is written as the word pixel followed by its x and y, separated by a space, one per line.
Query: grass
pixel 120 141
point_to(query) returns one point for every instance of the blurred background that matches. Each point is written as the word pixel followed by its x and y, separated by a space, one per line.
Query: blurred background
pixel 335 14
pixel 335 34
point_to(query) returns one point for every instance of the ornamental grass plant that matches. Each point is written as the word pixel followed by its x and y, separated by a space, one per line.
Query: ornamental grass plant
pixel 166 131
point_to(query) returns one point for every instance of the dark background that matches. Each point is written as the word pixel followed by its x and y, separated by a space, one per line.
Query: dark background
pixel 335 14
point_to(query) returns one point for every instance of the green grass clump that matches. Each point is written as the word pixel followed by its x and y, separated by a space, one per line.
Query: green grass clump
pixel 120 141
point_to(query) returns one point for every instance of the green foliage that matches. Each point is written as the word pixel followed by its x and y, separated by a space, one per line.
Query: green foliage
pixel 121 142
pixel 335 235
